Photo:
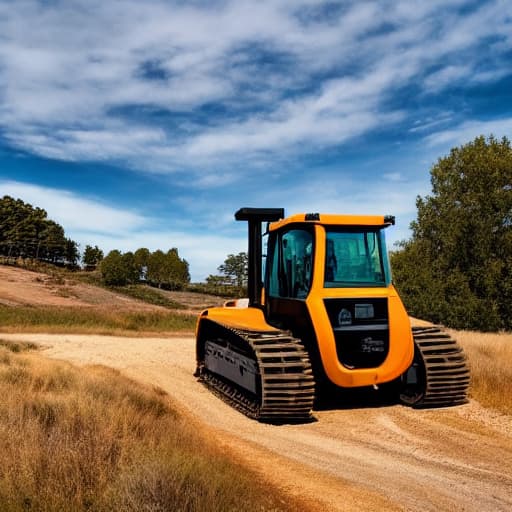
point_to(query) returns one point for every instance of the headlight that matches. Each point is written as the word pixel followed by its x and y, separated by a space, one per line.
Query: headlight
pixel 344 317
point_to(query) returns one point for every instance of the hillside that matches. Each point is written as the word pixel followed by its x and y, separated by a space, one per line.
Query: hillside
pixel 20 287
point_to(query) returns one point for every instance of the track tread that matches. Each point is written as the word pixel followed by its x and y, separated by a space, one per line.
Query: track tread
pixel 287 382
pixel 447 372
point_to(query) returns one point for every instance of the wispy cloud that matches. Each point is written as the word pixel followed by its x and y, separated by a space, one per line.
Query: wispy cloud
pixel 467 131
pixel 74 212
pixel 172 87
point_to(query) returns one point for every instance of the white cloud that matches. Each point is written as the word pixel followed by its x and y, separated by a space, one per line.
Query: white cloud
pixel 467 131
pixel 75 82
pixel 423 125
pixel 73 212
pixel 448 75
pixel 394 176
pixel 113 142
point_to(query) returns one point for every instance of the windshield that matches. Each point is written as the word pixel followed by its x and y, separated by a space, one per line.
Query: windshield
pixel 356 258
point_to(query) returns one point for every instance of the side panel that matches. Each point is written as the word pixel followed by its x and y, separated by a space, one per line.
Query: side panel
pixel 233 365
pixel 238 317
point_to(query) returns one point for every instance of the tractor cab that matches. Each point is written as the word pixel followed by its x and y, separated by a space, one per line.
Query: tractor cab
pixel 344 256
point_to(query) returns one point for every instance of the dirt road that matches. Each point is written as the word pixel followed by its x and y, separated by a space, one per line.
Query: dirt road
pixel 364 458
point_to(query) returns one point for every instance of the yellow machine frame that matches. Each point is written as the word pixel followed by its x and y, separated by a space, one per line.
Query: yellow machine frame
pixel 401 344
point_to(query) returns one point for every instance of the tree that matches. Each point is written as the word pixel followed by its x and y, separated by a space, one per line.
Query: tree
pixel 27 232
pixel 91 257
pixel 114 270
pixel 130 268
pixel 235 268
pixel 142 256
pixel 167 270
pixel 156 268
pixel 177 270
pixel 53 243
pixel 72 254
pixel 457 267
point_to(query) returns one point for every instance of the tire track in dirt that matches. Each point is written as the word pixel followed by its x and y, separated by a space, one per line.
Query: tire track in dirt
pixel 366 458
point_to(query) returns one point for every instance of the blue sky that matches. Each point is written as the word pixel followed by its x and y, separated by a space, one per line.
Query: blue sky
pixel 148 124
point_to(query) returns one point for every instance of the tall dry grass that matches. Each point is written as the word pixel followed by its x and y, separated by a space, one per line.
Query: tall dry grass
pixel 90 439
pixel 92 320
pixel 490 360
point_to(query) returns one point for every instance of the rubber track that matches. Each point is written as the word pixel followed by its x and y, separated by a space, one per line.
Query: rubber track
pixel 446 368
pixel 287 382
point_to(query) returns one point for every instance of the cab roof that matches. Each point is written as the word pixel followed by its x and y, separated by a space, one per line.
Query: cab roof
pixel 334 220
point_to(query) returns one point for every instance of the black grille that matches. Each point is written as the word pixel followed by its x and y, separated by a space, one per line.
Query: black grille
pixel 361 330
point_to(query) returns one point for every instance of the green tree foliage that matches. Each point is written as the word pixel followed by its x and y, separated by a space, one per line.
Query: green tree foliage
pixel 156 268
pixel 232 281
pixel 72 253
pixel 91 257
pixel 27 232
pixel 457 267
pixel 114 270
pixel 177 270
pixel 131 269
pixel 141 261
pixel 235 269
pixel 165 270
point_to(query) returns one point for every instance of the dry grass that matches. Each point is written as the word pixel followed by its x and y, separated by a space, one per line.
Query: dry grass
pixel 90 439
pixel 490 359
pixel 92 320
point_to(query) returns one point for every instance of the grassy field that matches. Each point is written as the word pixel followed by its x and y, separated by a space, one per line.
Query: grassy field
pixel 148 295
pixel 490 360
pixel 90 439
pixel 92 320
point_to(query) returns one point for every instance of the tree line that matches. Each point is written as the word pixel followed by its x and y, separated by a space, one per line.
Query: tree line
pixel 232 277
pixel 161 269
pixel 26 232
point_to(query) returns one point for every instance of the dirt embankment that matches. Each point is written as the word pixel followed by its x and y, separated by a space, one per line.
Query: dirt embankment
pixel 20 287
pixel 360 458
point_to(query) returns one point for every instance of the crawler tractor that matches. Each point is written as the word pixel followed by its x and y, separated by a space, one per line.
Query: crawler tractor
pixel 324 312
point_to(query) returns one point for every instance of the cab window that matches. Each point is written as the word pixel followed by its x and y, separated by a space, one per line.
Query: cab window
pixel 291 264
pixel 355 258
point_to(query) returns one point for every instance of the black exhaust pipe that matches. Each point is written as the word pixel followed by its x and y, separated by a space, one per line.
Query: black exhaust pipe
pixel 254 217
